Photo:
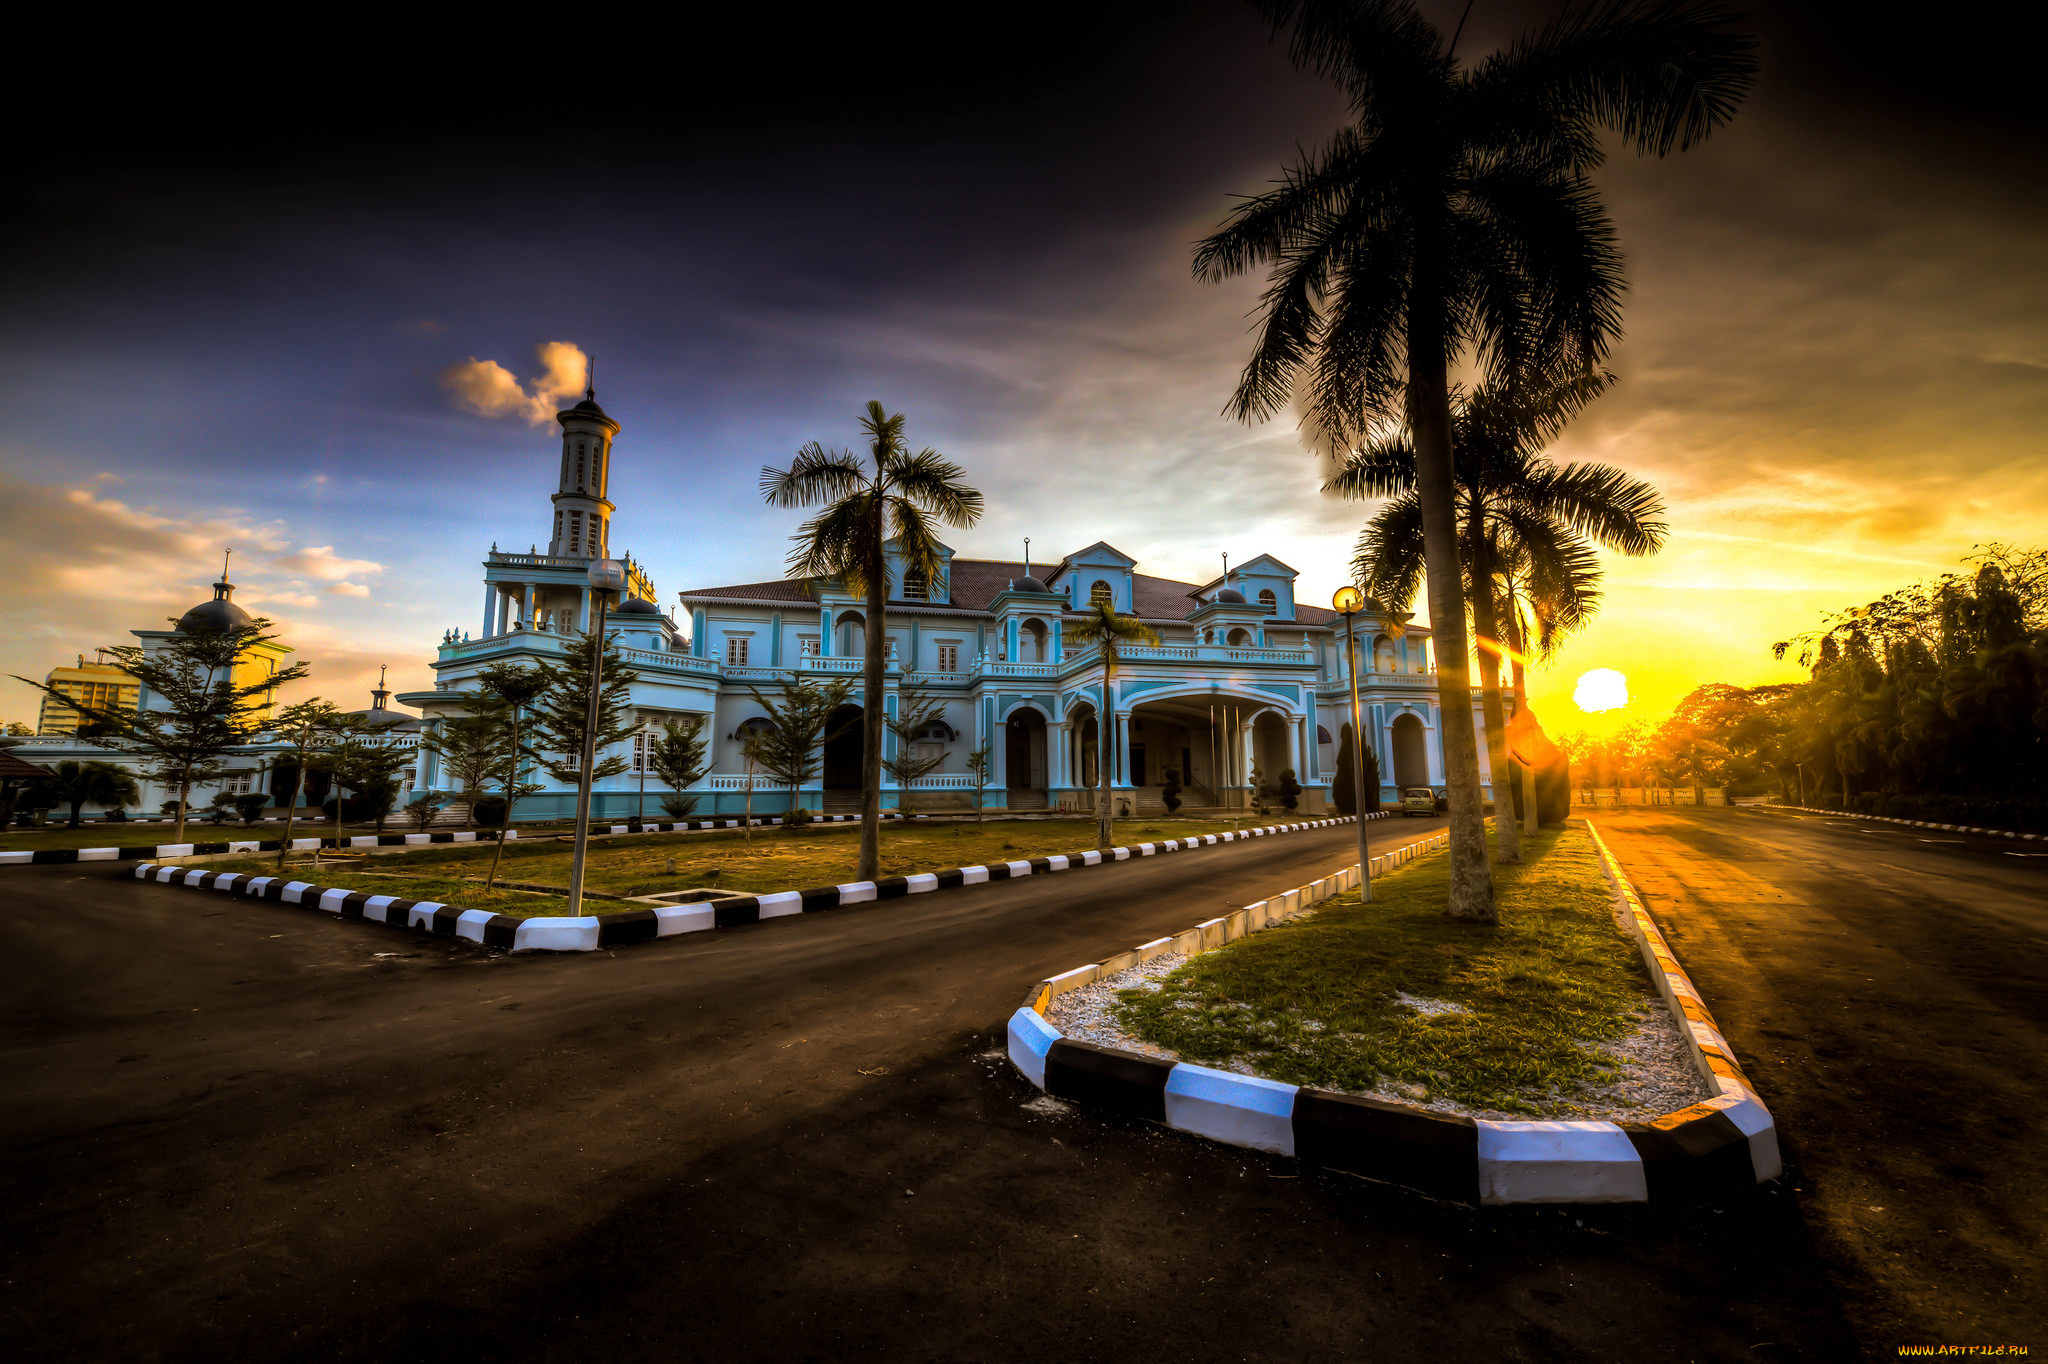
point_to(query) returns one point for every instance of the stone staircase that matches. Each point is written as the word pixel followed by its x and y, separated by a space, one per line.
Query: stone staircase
pixel 842 802
pixel 1026 798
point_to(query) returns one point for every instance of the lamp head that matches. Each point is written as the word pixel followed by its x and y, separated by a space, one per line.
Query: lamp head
pixel 1348 601
pixel 607 575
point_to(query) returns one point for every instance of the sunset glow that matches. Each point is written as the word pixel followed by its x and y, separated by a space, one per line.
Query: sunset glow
pixel 1601 689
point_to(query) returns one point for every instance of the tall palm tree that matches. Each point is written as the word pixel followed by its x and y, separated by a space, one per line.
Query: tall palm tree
pixel 1455 217
pixel 1102 629
pixel 862 512
pixel 1511 504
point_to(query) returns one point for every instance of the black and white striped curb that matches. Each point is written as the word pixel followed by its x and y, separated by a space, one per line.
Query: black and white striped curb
pixel 591 932
pixel 45 856
pixel 1723 1144
pixel 1908 823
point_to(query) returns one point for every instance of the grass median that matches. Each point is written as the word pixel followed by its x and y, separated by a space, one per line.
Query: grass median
pixel 729 861
pixel 1362 997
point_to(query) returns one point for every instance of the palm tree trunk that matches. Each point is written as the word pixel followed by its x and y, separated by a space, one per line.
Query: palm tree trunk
pixel 1429 402
pixel 871 710
pixel 1507 834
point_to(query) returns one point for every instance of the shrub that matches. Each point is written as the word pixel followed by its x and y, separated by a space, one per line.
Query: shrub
pixel 488 812
pixel 796 817
pixel 170 807
pixel 114 815
pixel 252 806
pixel 220 807
pixel 1170 788
pixel 1290 789
pixel 422 811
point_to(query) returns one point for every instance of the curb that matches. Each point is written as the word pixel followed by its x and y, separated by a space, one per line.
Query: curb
pixel 590 933
pixel 1908 823
pixel 1721 1145
pixel 48 856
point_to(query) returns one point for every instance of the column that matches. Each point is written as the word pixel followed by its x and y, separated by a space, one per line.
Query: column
pixel 490 602
pixel 999 749
pixel 1055 754
pixel 583 621
pixel 530 589
pixel 1123 749
pixel 824 632
pixel 775 640
pixel 1294 748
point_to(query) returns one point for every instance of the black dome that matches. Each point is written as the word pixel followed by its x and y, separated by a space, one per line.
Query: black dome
pixel 590 406
pixel 1027 585
pixel 1229 596
pixel 636 606
pixel 219 614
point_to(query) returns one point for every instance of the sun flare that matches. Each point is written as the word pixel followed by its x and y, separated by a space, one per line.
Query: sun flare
pixel 1601 689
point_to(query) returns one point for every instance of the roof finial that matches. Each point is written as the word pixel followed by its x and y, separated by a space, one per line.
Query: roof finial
pixel 225 556
pixel 590 377
pixel 1027 556
pixel 1226 568
pixel 382 693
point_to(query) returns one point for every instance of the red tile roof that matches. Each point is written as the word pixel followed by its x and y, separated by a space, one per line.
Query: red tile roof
pixel 977 583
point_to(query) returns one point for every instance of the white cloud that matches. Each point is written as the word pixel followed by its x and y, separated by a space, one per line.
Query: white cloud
pixel 320 561
pixel 349 590
pixel 488 389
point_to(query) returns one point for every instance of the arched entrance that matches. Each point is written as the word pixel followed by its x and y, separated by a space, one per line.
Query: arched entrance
pixel 1024 750
pixel 1411 754
pixel 843 750
pixel 1081 734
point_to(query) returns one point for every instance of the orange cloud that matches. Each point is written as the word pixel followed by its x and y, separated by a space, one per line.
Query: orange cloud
pixel 488 389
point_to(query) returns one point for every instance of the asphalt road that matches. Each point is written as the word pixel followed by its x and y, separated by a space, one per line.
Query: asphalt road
pixel 1887 991
pixel 246 1131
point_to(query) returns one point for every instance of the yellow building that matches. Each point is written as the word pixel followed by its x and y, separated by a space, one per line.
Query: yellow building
pixel 94 684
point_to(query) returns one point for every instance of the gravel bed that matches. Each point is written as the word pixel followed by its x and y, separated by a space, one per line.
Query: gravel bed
pixel 1655 1076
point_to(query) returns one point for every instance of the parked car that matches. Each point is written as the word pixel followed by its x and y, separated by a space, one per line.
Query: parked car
pixel 1418 800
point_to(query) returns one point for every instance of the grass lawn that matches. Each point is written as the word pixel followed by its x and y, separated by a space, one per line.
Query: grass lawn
pixel 774 859
pixel 1318 1001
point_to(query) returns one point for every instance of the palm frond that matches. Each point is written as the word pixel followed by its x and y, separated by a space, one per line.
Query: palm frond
pixel 938 485
pixel 1663 73
pixel 816 475
pixel 836 542
pixel 1387 562
pixel 1613 507
pixel 1383 467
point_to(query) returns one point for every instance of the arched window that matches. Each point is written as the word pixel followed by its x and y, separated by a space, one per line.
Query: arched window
pixel 1240 639
pixel 1383 657
pixel 1269 602
pixel 1100 595
pixel 748 729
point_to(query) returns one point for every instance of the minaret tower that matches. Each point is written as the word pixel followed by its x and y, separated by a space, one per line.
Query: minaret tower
pixel 582 512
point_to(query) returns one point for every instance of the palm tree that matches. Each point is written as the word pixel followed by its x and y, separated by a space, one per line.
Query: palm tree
pixel 1456 218
pixel 861 512
pixel 1511 504
pixel 79 784
pixel 1102 628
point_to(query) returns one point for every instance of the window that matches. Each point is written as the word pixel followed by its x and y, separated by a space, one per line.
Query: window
pixel 640 751
pixel 1100 595
pixel 915 588
pixel 1268 601
pixel 238 783
pixel 736 651
pixel 949 658
pixel 807 646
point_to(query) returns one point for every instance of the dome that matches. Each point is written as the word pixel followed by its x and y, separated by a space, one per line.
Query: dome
pixel 636 606
pixel 1026 585
pixel 589 405
pixel 1229 596
pixel 219 614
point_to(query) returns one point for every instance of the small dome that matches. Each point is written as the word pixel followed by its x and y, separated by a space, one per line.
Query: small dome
pixel 636 606
pixel 1026 585
pixel 219 614
pixel 1229 596
pixel 589 407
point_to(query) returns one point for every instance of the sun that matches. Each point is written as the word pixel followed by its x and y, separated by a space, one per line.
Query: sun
pixel 1601 689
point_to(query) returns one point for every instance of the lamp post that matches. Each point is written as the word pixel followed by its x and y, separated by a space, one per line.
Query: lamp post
pixel 1349 601
pixel 605 576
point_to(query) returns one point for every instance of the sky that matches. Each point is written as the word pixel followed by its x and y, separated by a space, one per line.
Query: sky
pixel 322 316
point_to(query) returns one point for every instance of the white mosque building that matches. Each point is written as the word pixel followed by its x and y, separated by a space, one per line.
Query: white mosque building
pixel 1244 678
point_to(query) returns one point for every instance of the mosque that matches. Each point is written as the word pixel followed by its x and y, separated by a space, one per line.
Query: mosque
pixel 1245 682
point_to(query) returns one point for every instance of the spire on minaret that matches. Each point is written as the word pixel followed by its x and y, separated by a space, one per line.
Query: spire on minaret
pixel 590 378
pixel 382 693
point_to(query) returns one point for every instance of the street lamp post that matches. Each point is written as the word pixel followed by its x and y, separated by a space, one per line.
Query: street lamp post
pixel 605 576
pixel 1349 601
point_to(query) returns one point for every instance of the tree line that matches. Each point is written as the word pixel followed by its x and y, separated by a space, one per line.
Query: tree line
pixel 1930 702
